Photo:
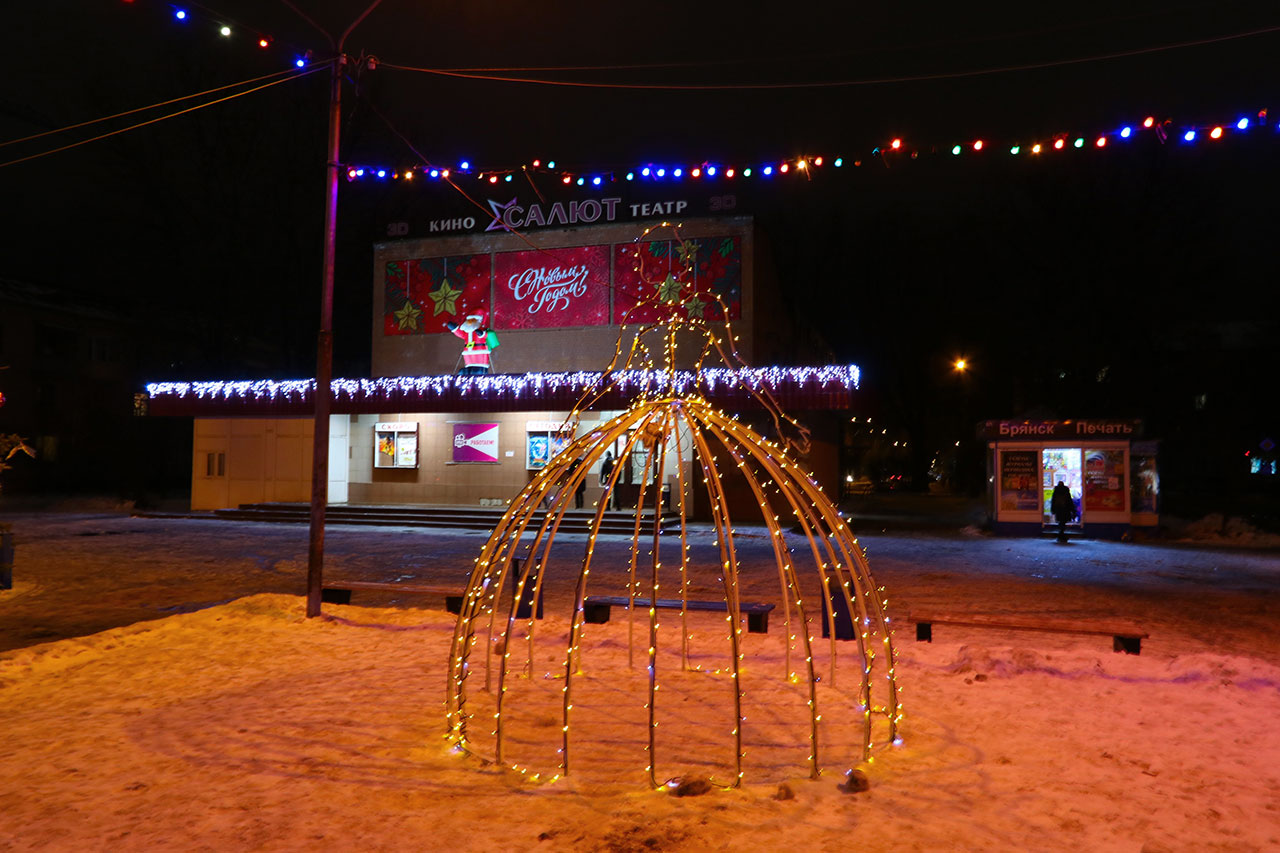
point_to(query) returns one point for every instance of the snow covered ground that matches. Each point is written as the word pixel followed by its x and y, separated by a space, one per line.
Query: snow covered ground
pixel 160 688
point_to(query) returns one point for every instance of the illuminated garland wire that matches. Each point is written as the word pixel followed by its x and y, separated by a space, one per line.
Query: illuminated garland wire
pixel 399 389
pixel 658 415
pixel 892 149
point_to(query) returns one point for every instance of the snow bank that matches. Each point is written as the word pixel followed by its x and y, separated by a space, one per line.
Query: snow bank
pixel 1218 529
pixel 247 727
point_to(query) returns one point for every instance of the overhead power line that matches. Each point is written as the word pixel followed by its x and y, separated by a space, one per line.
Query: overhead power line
pixel 154 106
pixel 829 84
pixel 293 76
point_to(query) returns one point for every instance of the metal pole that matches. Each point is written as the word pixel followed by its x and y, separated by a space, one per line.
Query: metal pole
pixel 322 395
pixel 324 352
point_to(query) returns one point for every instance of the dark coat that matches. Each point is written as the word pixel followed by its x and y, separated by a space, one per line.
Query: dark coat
pixel 1062 506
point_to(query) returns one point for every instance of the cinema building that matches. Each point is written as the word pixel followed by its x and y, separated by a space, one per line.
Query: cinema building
pixel 418 433
pixel 1110 470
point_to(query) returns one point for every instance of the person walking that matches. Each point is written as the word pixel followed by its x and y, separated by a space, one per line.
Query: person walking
pixel 579 494
pixel 1063 508
pixel 606 468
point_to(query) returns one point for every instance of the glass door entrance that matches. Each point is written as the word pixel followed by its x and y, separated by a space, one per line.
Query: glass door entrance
pixel 1062 464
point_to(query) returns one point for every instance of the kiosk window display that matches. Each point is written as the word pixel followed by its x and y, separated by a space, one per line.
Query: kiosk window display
pixel 1061 464
pixel 1112 478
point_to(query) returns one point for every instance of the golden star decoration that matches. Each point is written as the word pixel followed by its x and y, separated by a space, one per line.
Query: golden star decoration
pixel 687 252
pixel 445 298
pixel 669 288
pixel 696 307
pixel 407 317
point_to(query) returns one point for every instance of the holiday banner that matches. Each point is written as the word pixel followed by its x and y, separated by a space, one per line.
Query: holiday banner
pixel 475 442
pixel 423 294
pixel 703 272
pixel 551 289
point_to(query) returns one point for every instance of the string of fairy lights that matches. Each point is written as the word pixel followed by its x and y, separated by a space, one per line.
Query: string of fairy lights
pixel 1177 133
pixel 1166 131
pixel 504 385
pixel 200 18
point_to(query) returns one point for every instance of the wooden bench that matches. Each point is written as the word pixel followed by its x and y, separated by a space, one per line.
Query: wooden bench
pixel 596 609
pixel 339 592
pixel 1126 637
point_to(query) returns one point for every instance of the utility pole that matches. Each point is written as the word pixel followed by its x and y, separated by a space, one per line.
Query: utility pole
pixel 323 394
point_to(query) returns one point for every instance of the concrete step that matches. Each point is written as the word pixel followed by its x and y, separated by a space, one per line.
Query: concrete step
pixel 443 517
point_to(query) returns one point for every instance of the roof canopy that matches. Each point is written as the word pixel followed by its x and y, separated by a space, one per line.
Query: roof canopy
pixel 793 388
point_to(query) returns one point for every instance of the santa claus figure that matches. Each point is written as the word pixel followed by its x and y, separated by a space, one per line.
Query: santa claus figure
pixel 479 342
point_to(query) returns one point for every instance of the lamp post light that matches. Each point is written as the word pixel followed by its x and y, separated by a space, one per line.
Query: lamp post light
pixel 962 369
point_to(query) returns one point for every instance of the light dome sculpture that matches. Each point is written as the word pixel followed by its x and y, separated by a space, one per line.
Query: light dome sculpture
pixel 670 423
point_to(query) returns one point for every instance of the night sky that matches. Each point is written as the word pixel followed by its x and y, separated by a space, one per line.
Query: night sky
pixel 1123 283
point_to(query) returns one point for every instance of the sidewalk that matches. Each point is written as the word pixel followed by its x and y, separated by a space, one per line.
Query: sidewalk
pixel 913 511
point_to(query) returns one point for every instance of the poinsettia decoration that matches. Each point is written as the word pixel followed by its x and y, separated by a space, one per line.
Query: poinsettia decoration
pixel 706 268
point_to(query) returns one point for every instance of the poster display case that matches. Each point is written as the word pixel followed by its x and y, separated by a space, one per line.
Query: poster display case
pixel 395 444
pixel 543 440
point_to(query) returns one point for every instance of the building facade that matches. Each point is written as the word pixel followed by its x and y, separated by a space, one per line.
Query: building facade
pixel 564 309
